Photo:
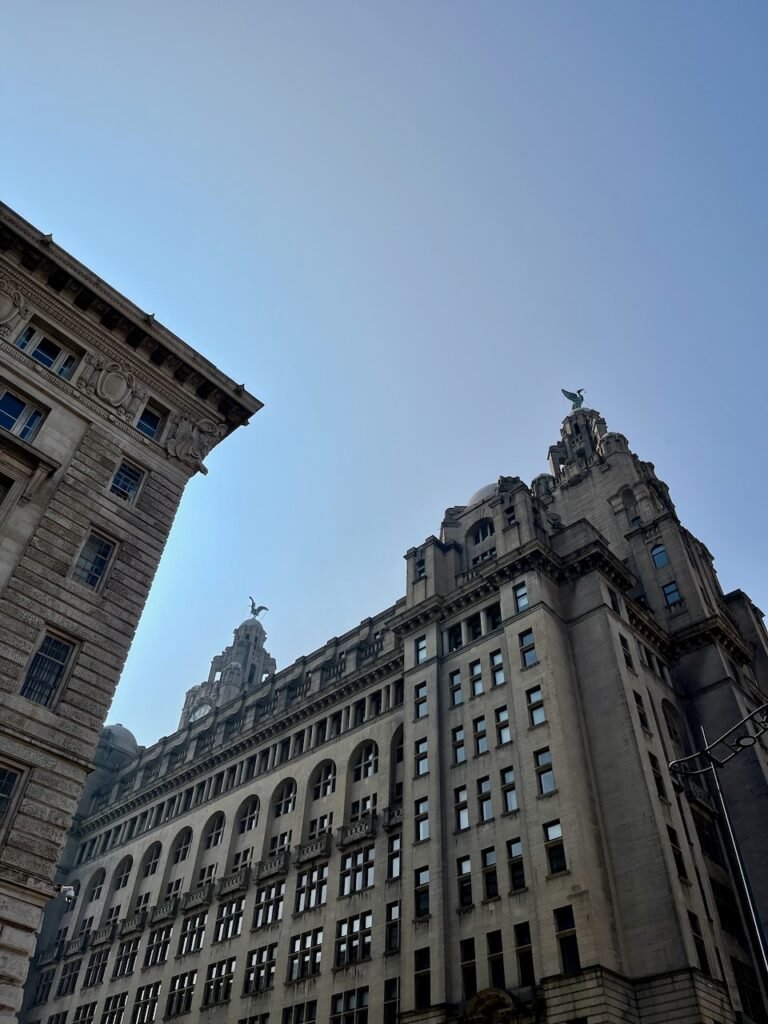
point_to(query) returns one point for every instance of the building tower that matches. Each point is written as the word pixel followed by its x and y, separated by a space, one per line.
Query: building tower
pixel 104 417
pixel 459 811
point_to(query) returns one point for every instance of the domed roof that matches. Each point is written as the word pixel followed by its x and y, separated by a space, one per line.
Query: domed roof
pixel 489 491
pixel 121 738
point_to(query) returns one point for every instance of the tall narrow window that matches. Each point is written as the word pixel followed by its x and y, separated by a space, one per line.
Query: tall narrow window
pixel 515 865
pixel 422 986
pixel 421 819
pixel 458 746
pixel 93 560
pixel 536 713
pixel 468 968
pixel 476 678
pixel 672 595
pixel 47 670
pixel 626 652
pixel 658 777
pixel 391 1001
pixel 497 669
pixel 457 697
pixel 677 852
pixel 659 556
pixel 151 420
pixel 521 597
pixel 394 855
pixel 553 842
pixel 698 941
pixel 421 892
pixel 8 780
pixel 490 877
pixel 495 948
pixel 421 756
pixel 464 880
pixel 528 654
pixel 481 736
pixel 484 802
pixel 641 712
pixel 421 650
pixel 508 790
pixel 524 954
pixel 461 808
pixel 545 776
pixel 420 708
pixel 503 731
pixel 392 930
pixel 565 930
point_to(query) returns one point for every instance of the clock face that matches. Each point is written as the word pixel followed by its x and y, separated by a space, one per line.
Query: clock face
pixel 200 712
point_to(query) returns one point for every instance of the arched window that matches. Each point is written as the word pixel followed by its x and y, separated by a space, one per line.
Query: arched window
pixel 95 886
pixel 284 800
pixel 482 531
pixel 181 846
pixel 365 763
pixel 123 873
pixel 659 556
pixel 324 780
pixel 249 815
pixel 214 831
pixel 151 860
pixel 676 728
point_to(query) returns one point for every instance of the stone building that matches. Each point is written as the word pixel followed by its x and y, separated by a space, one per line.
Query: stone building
pixel 104 417
pixel 461 810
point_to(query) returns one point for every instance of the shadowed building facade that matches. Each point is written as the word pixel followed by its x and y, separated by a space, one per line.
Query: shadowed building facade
pixel 458 811
pixel 104 416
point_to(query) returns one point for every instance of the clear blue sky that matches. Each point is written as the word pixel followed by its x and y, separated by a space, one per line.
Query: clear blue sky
pixel 405 226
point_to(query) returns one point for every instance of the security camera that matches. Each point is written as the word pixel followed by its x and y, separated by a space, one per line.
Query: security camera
pixel 69 893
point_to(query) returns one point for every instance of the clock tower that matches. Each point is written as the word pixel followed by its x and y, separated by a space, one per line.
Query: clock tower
pixel 244 665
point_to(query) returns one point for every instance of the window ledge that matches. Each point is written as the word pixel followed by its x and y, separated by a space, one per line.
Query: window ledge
pixel 490 899
pixel 546 796
pixel 465 910
pixel 525 668
pixel 559 874
pixel 510 814
pixel 517 892
pixel 486 821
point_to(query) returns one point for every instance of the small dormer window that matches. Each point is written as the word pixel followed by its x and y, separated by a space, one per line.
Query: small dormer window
pixel 54 356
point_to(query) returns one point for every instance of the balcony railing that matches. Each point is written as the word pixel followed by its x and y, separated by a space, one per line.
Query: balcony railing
pixel 103 935
pixel 357 830
pixel 133 924
pixel 234 882
pixel 197 897
pixel 49 955
pixel 76 945
pixel 314 848
pixel 277 864
pixel 369 651
pixel 393 817
pixel 164 911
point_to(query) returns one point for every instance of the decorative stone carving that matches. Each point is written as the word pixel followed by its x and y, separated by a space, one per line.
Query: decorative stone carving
pixel 13 306
pixel 190 443
pixel 113 383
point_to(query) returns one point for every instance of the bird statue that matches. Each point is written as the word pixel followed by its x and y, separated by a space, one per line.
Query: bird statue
pixel 577 399
pixel 255 611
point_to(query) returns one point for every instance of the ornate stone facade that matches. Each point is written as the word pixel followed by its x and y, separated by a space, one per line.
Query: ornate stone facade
pixel 458 811
pixel 104 416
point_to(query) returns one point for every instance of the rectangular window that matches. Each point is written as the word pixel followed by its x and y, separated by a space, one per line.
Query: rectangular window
pixel 536 713
pixel 495 949
pixel 468 968
pixel 218 982
pixel 626 652
pixel 524 954
pixel 612 596
pixel 353 939
pixel 304 952
pixel 269 904
pixel 553 843
pixel 508 790
pixel 8 780
pixel 454 637
pixel 476 678
pixel 641 712
pixel 515 865
pixel 420 708
pixel 422 984
pixel 545 776
pixel 565 930
pixel 464 882
pixel 356 871
pixel 475 626
pixel 181 991
pixel 18 416
pixel 68 979
pixel 260 970
pixel 97 965
pixel 350 1007
pixel 229 919
pixel 490 877
pixel 86 1014
pixel 151 421
pixel 457 696
pixel 480 736
pixel 421 756
pixel 47 670
pixel 461 808
pixel 677 852
pixel 421 819
pixel 145 1007
pixel 114 1008
pixel 503 731
pixel 421 650
pixel 125 960
pixel 484 802
pixel 658 777
pixel 528 654
pixel 92 562
pixel 50 354
pixel 192 933
pixel 391 1001
pixel 749 989
pixel 392 929
pixel 457 744
pixel 493 616
pixel 521 597
pixel 421 892
pixel 311 888
pixel 158 945
pixel 672 595
pixel 301 1013
pixel 698 941
pixel 497 669
pixel 421 569
pixel 43 987
pixel 394 856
